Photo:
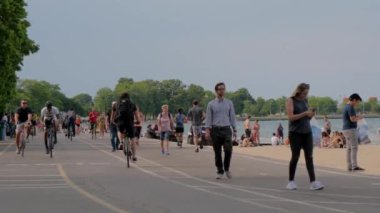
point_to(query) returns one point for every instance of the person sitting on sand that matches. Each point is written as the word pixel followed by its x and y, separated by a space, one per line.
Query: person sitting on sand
pixel 275 140
pixel 325 140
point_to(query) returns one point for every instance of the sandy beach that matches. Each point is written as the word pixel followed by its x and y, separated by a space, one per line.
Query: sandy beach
pixel 368 156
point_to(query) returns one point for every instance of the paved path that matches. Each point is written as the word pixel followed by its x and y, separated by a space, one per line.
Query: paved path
pixel 85 176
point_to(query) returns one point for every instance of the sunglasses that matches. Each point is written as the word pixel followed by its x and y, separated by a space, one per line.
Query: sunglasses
pixel 221 89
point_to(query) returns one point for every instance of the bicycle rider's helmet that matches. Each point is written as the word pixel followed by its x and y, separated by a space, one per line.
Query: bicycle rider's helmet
pixel 49 104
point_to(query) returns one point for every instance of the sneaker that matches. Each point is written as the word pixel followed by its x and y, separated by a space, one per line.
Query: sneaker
pixel 134 159
pixel 316 185
pixel 229 175
pixel 113 150
pixel 167 154
pixel 219 176
pixel 196 150
pixel 201 146
pixel 292 186
pixel 18 151
pixel 358 169
pixel 47 152
pixel 349 169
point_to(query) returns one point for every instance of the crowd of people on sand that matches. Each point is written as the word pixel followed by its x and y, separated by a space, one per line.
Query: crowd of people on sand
pixel 251 136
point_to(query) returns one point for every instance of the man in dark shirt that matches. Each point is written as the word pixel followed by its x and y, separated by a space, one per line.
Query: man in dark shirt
pixel 23 118
pixel 196 117
pixel 350 132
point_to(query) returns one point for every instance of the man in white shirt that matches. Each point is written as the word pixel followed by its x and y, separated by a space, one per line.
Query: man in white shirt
pixel 275 140
pixel 49 116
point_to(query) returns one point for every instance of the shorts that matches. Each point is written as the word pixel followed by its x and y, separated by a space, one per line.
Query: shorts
pixel 137 131
pixel 20 127
pixel 179 129
pixel 164 136
pixel 92 125
pixel 126 129
pixel 197 130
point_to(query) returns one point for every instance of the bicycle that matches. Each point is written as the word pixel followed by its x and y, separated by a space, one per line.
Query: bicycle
pixel 50 139
pixel 23 141
pixel 127 150
pixel 93 131
pixel 70 132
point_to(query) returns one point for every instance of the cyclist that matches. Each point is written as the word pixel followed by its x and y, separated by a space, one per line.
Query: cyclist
pixel 32 127
pixel 71 120
pixel 23 118
pixel 126 112
pixel 49 116
pixel 93 117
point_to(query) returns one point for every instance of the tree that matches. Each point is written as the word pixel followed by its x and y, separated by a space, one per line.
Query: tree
pixel 238 97
pixel 15 45
pixel 103 99
pixel 85 101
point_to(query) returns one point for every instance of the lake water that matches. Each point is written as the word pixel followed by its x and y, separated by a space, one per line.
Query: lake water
pixel 269 127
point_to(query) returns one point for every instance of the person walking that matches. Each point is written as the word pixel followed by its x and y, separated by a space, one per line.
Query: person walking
pixel 165 126
pixel 300 135
pixel 102 124
pixel 220 128
pixel 196 116
pixel 138 126
pixel 113 127
pixel 350 119
pixel 280 133
pixel 180 120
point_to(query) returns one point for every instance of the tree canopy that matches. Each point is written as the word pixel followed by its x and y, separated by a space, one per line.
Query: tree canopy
pixel 15 44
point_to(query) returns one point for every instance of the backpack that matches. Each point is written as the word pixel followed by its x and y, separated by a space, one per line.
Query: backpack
pixel 179 120
pixel 125 111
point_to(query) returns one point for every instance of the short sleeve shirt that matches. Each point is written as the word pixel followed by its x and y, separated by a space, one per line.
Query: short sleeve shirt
pixel 23 114
pixel 348 112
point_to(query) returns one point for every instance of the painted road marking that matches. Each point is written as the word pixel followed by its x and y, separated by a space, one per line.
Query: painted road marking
pixel 86 194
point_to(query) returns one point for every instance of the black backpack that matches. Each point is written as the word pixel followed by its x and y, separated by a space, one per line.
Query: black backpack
pixel 125 111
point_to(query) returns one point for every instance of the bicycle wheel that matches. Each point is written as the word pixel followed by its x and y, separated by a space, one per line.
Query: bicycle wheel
pixel 23 144
pixel 51 144
pixel 71 133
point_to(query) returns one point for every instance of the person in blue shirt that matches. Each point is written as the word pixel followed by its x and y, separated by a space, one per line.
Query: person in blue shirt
pixel 350 120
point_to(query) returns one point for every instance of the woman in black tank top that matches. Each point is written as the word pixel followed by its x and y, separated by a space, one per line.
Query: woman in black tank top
pixel 300 135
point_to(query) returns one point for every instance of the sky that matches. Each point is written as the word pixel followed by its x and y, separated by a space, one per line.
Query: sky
pixel 267 46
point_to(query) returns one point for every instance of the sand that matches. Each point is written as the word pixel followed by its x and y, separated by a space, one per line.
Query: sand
pixel 368 156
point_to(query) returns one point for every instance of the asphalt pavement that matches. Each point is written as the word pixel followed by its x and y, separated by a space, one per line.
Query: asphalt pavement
pixel 85 176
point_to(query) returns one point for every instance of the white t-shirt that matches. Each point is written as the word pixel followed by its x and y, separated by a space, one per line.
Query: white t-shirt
pixel 275 140
pixel 5 119
pixel 52 114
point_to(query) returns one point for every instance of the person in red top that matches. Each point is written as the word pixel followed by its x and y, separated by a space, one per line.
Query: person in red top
pixel 93 117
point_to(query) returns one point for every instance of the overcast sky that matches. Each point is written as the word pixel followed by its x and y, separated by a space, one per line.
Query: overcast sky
pixel 267 46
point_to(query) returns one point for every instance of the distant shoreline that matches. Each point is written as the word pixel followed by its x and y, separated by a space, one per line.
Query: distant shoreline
pixel 284 117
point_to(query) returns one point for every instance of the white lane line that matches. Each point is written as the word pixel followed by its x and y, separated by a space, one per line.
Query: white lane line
pixel 98 164
pixel 27 175
pixel 45 164
pixel 303 166
pixel 33 185
pixel 248 191
pixel 35 180
pixel 376 184
pixel 36 187
pixel 17 164
pixel 190 186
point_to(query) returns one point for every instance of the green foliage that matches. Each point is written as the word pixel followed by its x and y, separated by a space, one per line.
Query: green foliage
pixel 84 101
pixel 14 46
pixel 103 99
pixel 38 93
